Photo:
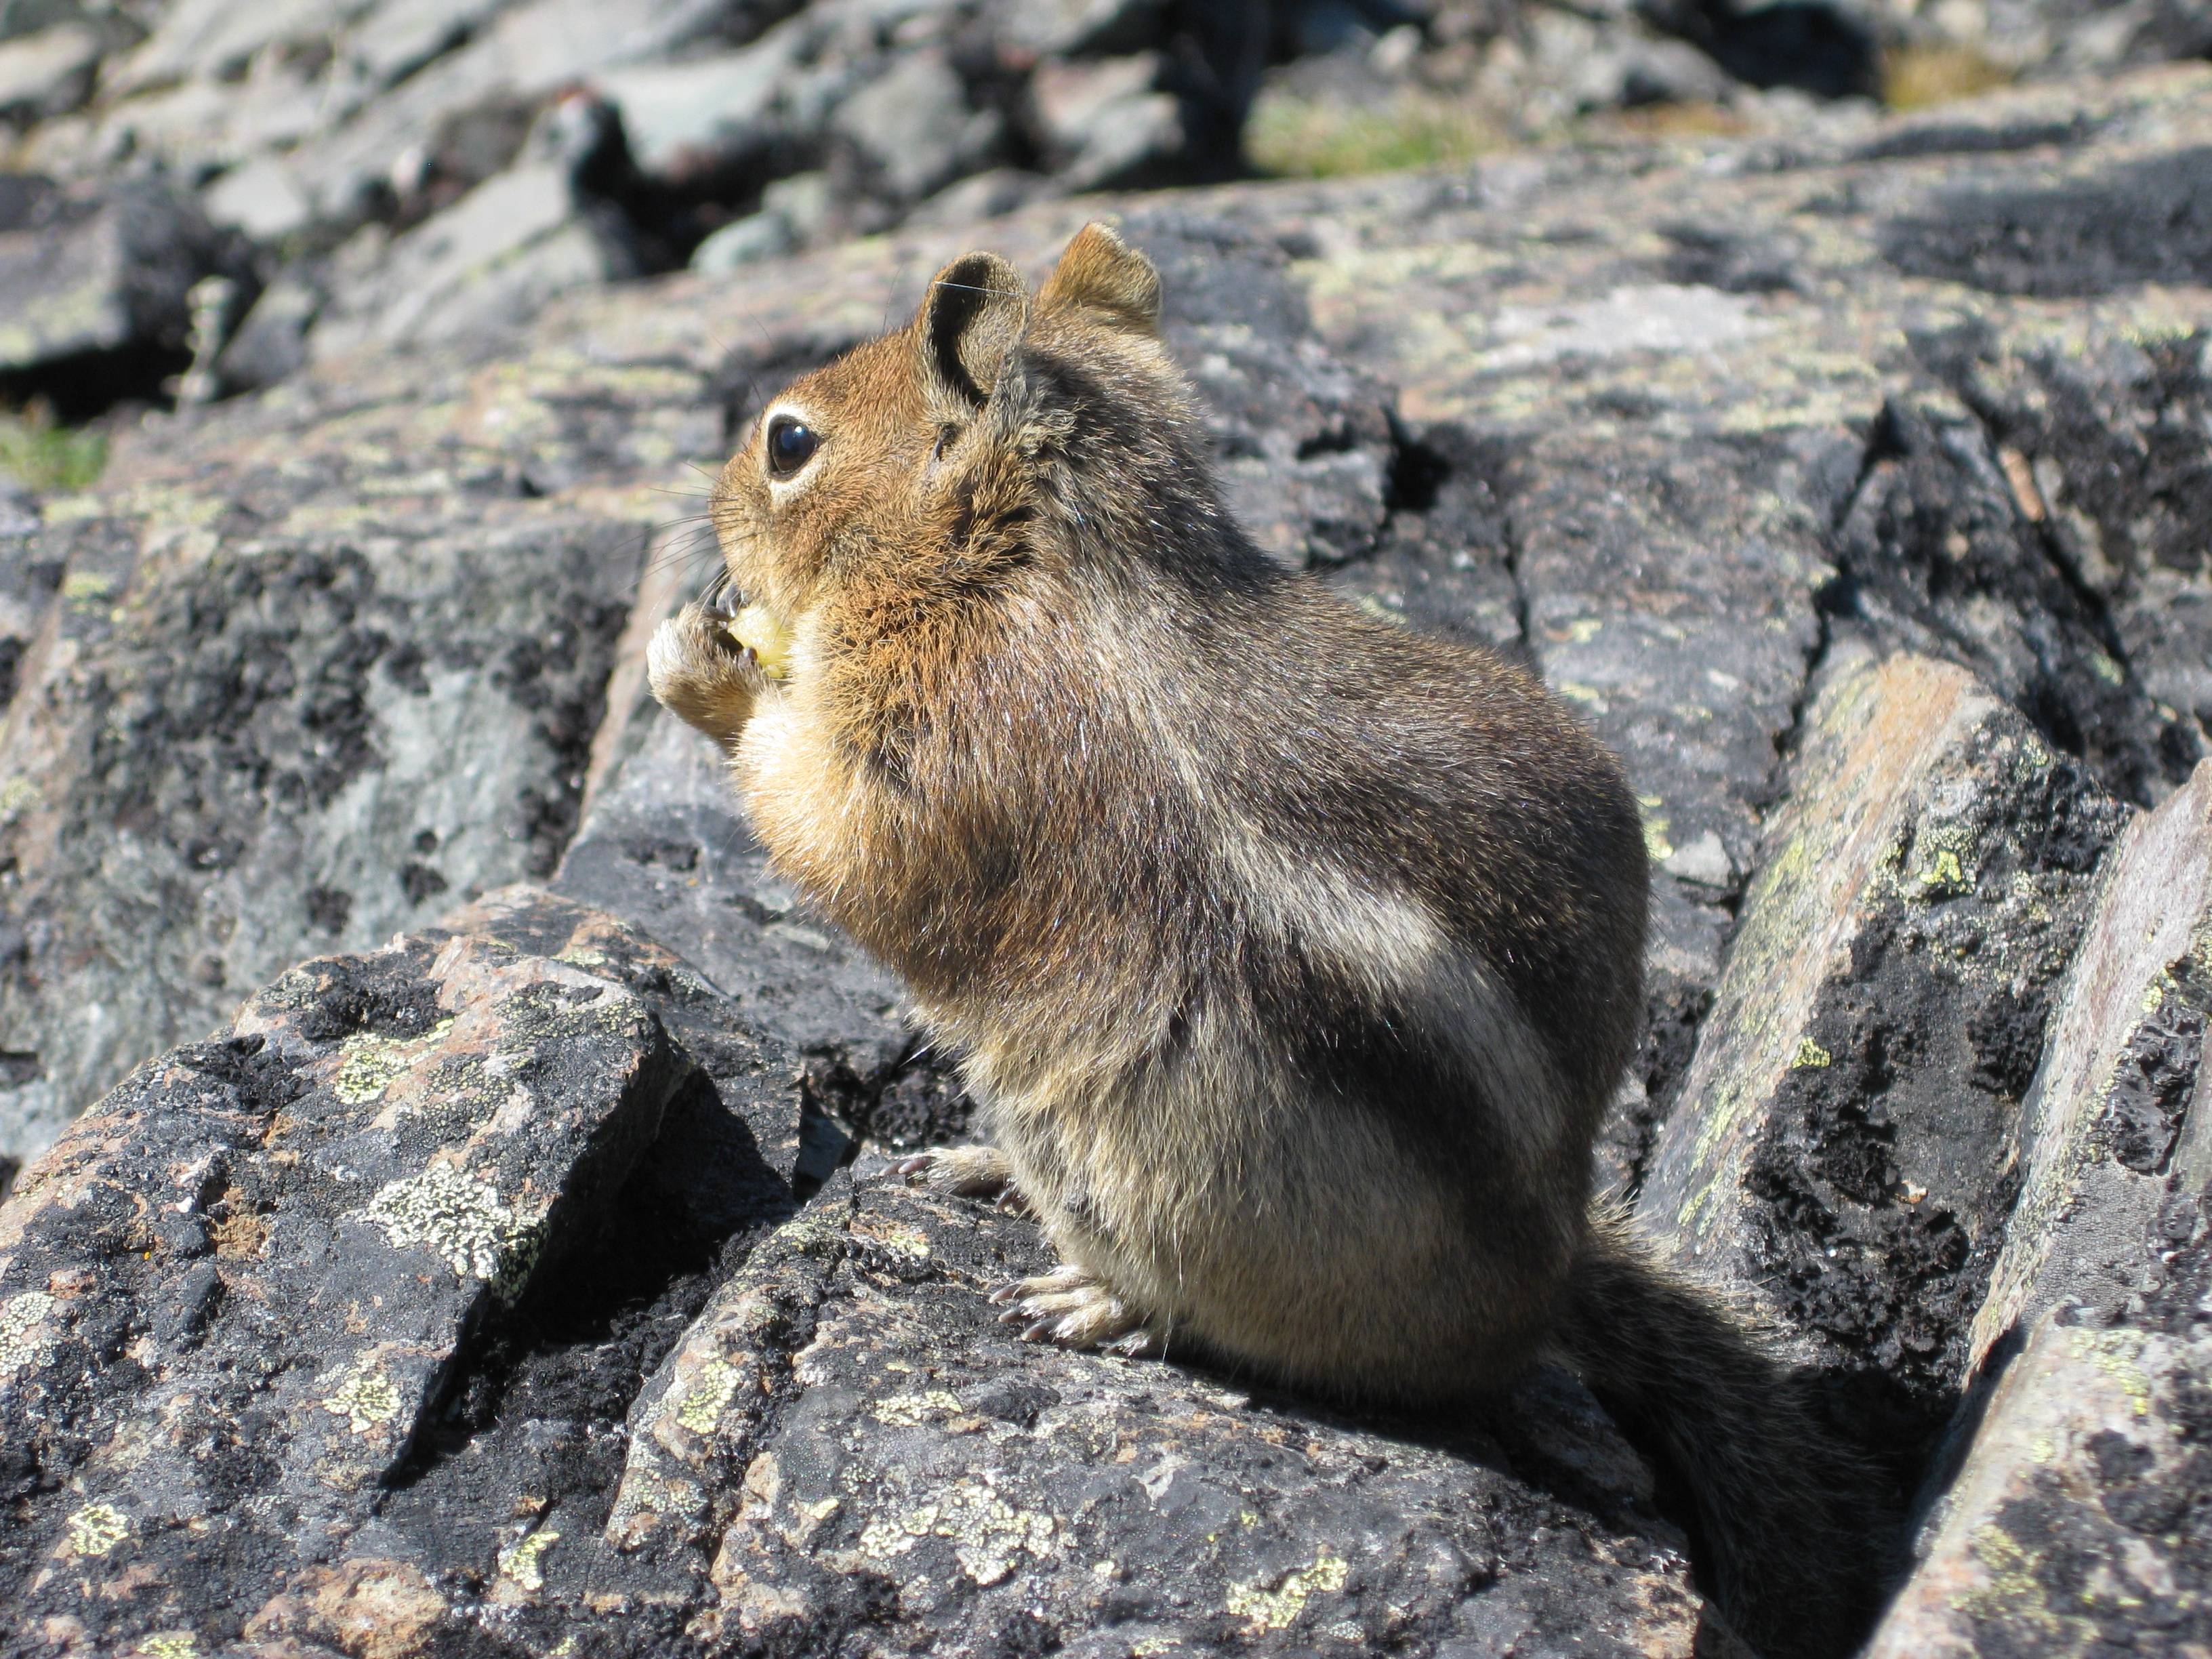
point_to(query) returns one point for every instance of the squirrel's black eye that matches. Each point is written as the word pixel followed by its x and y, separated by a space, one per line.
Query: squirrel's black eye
pixel 791 444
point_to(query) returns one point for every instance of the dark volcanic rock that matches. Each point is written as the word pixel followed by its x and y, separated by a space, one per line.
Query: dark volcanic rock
pixel 2076 1519
pixel 325 1331
pixel 242 1306
pixel 847 1451
pixel 2102 1125
pixel 2143 222
pixel 1846 1143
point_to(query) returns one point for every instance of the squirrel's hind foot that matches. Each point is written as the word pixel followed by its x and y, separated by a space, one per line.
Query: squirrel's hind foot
pixel 966 1172
pixel 1068 1307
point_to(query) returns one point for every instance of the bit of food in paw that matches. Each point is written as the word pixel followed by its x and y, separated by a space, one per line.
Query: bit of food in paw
pixel 763 633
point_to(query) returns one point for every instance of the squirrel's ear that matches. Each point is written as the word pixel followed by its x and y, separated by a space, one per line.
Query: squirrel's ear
pixel 1104 274
pixel 970 319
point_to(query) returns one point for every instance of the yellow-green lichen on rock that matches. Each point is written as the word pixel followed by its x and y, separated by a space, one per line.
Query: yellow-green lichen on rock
pixel 989 1535
pixel 94 1530
pixel 1271 1606
pixel 712 1390
pixel 369 1064
pixel 367 1400
pixel 521 1562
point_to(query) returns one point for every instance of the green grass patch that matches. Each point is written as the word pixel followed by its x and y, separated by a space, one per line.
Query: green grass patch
pixel 45 457
pixel 1295 137
pixel 1920 78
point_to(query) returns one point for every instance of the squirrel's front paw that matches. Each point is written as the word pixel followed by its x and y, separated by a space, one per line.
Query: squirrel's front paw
pixel 702 675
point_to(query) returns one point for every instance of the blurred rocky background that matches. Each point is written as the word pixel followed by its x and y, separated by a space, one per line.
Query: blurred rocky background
pixel 446 1205
pixel 234 190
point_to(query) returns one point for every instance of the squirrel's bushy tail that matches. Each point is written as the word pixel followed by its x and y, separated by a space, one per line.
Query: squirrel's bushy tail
pixel 1798 1533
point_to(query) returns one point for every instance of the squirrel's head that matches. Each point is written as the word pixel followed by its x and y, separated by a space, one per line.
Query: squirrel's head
pixel 951 454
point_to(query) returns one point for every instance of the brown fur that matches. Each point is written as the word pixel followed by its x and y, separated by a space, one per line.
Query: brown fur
pixel 1293 956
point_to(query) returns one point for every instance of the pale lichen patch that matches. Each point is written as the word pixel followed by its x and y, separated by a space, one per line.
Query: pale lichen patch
pixel 2119 1355
pixel 708 1396
pixel 986 1532
pixel 1277 1606
pixel 1946 858
pixel 464 1222
pixel 19 1319
pixel 908 1241
pixel 521 1562
pixel 2013 1588
pixel 907 1411
pixel 18 796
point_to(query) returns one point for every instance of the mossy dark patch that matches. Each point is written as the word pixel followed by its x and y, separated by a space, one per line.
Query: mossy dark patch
pixel 2144 222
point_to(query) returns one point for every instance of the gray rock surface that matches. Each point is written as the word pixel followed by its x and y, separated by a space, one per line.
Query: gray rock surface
pixel 323 1332
pixel 305 695
pixel 47 73
pixel 886 1433
pixel 2101 1128
pixel 237 1305
pixel 88 274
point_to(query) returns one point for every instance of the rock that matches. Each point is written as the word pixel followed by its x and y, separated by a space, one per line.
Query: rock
pixel 2089 460
pixel 327 1326
pixel 745 241
pixel 500 57
pixel 982 196
pixel 1951 539
pixel 2071 1523
pixel 27 582
pixel 2102 1125
pixel 261 198
pixel 1844 1147
pixel 47 74
pixel 1656 418
pixel 1065 28
pixel 243 1306
pixel 314 684
pixel 209 40
pixel 699 120
pixel 271 340
pixel 1104 121
pixel 912 130
pixel 21 17
pixel 83 274
pixel 900 1451
pixel 664 844
pixel 496 255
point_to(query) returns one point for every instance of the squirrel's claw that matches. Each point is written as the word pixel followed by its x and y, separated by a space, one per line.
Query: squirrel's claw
pixel 979 1172
pixel 1070 1308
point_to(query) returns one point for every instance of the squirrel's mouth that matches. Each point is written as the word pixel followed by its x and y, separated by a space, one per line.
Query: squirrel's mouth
pixel 759 631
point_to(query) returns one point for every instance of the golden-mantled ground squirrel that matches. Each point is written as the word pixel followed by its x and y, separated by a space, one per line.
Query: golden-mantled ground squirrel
pixel 1291 956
